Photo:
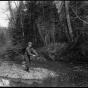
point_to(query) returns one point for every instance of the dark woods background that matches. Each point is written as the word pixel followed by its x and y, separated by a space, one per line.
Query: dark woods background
pixel 57 29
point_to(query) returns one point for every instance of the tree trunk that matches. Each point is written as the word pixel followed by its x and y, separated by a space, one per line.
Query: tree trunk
pixel 11 13
pixel 68 20
pixel 21 16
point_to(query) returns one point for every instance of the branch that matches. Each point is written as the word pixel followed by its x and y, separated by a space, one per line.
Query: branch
pixel 78 16
pixel 15 4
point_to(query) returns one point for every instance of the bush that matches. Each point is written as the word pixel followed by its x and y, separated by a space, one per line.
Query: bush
pixel 2 40
pixel 53 51
pixel 12 52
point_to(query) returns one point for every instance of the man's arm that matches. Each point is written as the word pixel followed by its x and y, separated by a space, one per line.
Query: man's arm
pixel 34 51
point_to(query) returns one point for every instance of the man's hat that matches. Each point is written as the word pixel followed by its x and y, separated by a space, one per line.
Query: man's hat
pixel 29 43
pixel 23 63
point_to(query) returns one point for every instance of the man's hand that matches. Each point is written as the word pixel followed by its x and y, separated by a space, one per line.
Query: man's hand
pixel 34 55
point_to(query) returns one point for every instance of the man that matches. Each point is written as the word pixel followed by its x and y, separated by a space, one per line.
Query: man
pixel 28 53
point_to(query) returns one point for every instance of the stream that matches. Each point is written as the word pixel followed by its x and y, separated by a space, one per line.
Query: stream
pixel 67 75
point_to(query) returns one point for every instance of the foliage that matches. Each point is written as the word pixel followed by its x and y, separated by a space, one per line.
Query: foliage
pixel 47 23
pixel 2 40
pixel 3 37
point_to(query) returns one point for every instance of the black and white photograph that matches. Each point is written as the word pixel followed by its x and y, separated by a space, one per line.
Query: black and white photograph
pixel 44 43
